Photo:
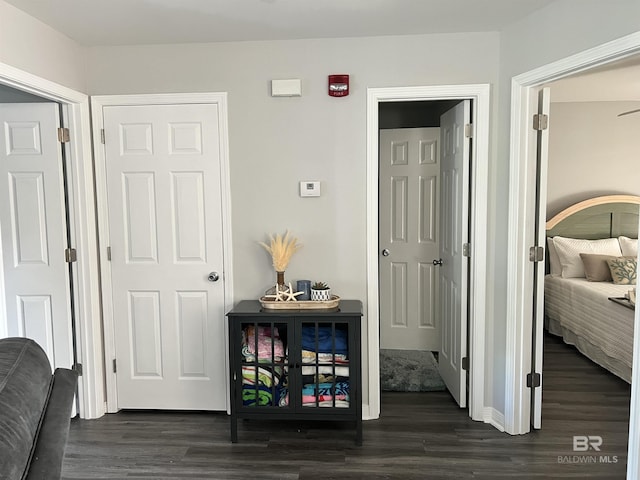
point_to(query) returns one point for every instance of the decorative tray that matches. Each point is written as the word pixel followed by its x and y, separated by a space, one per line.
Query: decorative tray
pixel 302 304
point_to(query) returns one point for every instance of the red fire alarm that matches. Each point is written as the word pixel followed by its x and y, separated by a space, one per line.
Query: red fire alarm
pixel 338 85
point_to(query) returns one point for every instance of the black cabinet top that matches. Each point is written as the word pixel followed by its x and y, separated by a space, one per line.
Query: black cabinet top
pixel 252 307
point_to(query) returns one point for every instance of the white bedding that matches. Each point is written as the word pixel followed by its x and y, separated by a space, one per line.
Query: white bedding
pixel 580 312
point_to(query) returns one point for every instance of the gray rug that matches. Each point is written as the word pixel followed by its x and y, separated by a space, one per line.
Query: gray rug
pixel 409 371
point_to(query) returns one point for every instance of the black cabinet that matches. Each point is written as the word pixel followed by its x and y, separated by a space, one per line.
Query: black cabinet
pixel 295 364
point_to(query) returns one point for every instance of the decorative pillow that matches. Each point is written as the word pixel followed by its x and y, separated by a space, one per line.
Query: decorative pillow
pixel 629 246
pixel 623 270
pixel 554 261
pixel 596 268
pixel 569 250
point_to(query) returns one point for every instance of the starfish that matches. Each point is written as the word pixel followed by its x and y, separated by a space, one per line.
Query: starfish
pixel 290 295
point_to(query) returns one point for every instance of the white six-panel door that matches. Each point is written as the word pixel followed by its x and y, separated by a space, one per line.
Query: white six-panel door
pixel 34 235
pixel 454 181
pixel 165 236
pixel 409 209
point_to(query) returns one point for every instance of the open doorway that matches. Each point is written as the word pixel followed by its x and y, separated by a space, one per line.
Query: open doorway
pixel 590 132
pixel 411 141
pixel 479 96
pixel 523 212
pixel 74 110
pixel 37 238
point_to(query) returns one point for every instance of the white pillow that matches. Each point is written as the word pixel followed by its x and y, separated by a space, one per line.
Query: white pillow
pixel 555 268
pixel 629 246
pixel 569 250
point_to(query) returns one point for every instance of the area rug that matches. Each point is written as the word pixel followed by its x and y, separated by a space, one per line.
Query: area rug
pixel 409 371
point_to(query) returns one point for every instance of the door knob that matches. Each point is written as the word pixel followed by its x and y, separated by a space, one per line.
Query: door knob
pixel 385 252
pixel 213 277
pixel 438 263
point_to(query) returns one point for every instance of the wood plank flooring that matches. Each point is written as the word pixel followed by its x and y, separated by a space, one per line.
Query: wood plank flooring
pixel 419 436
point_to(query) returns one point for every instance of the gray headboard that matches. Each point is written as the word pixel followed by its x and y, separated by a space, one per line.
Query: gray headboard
pixel 600 217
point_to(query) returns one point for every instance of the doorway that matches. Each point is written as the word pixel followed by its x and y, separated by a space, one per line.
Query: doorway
pixel 423 226
pixel 36 237
pixel 479 95
pixel 522 210
pixel 74 108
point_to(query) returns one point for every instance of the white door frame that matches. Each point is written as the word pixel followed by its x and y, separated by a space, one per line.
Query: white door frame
pixel 75 111
pixel 521 223
pixel 480 95
pixel 97 103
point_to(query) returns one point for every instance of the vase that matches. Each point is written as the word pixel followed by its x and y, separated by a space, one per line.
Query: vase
pixel 280 282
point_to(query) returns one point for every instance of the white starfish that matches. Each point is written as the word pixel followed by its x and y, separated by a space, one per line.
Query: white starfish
pixel 290 295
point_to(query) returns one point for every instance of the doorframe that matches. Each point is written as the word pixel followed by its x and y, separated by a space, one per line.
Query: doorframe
pixel 88 338
pixel 521 223
pixel 97 104
pixel 480 96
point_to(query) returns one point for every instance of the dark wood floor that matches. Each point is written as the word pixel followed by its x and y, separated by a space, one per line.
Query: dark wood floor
pixel 419 436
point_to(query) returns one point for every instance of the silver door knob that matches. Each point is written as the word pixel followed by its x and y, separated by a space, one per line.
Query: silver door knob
pixel 385 252
pixel 438 263
pixel 213 277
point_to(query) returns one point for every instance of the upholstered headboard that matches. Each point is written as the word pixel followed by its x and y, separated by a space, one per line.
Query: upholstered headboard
pixel 600 217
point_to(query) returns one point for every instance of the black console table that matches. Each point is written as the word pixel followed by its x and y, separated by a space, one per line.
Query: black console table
pixel 295 364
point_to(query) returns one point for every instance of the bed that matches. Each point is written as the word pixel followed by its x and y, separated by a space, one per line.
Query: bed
pixel 585 244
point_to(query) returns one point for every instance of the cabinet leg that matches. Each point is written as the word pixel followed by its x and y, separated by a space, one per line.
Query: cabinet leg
pixel 359 432
pixel 234 429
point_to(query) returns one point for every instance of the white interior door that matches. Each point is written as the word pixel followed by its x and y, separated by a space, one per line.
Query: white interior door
pixel 409 209
pixel 165 229
pixel 542 106
pixel 454 228
pixel 34 231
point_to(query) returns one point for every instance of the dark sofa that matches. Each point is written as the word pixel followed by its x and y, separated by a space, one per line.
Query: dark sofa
pixel 35 410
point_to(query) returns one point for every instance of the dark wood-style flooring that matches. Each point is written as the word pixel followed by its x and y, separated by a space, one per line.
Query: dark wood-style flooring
pixel 418 436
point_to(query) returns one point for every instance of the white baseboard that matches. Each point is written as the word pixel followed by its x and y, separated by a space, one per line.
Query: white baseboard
pixel 494 418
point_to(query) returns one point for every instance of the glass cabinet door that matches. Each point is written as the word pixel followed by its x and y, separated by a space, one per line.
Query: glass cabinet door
pixel 324 364
pixel 264 363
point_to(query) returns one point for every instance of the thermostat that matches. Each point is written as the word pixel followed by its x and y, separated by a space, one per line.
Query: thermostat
pixel 310 189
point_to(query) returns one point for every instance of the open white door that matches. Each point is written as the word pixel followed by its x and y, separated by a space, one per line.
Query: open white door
pixel 34 229
pixel 165 234
pixel 540 124
pixel 409 207
pixel 454 235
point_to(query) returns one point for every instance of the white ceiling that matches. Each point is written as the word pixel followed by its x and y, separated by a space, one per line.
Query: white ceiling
pixel 129 22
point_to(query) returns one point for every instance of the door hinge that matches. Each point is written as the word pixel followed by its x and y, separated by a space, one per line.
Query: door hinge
pixel 63 135
pixel 466 250
pixel 468 130
pixel 465 363
pixel 114 366
pixel 540 121
pixel 109 253
pixel 102 136
pixel 70 255
pixel 77 368
pixel 533 380
pixel 536 254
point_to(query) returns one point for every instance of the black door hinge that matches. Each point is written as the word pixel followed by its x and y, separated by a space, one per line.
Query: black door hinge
pixel 533 380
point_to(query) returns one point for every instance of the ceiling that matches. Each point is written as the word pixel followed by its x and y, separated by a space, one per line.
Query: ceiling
pixel 135 22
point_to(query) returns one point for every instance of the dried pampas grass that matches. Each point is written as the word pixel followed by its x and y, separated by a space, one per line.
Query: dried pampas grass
pixel 281 250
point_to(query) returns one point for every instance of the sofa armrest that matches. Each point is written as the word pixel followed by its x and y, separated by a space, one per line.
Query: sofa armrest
pixel 46 462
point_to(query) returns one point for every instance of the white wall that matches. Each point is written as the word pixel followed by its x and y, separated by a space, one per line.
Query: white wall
pixel 276 142
pixel 592 152
pixel 32 46
pixel 561 29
